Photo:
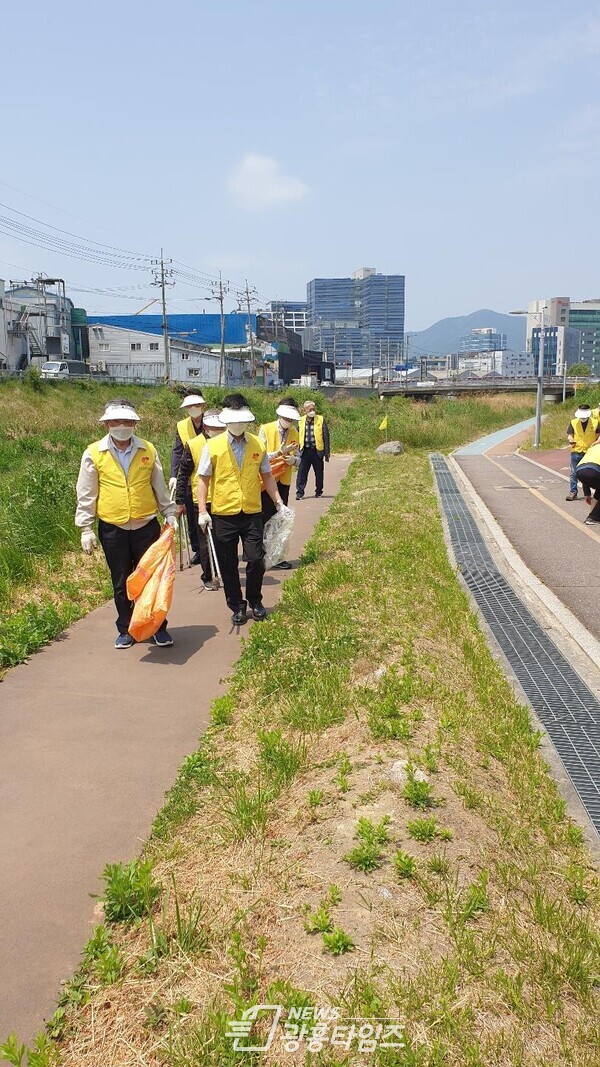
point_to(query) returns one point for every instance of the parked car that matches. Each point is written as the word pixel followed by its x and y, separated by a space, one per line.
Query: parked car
pixel 276 383
pixel 59 369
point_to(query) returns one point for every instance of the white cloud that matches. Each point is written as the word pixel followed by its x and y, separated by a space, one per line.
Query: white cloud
pixel 259 182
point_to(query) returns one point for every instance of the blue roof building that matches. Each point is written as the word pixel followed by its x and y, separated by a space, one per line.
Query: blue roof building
pixel 202 329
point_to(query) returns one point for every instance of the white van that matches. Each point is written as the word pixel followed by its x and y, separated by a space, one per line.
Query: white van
pixel 59 369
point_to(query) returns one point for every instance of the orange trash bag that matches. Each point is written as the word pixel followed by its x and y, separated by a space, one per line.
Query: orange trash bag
pixel 148 563
pixel 152 603
pixel 278 466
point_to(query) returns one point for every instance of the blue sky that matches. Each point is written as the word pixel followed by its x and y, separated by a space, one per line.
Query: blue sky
pixel 458 143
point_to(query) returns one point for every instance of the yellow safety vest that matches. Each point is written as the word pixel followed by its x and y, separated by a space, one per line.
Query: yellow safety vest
pixel 592 456
pixel 121 499
pixel 234 490
pixel 273 439
pixel 196 447
pixel 319 439
pixel 583 438
pixel 186 430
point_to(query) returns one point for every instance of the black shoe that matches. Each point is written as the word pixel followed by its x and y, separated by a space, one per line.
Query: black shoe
pixel 572 496
pixel 319 494
pixel 285 565
pixel 299 496
pixel 259 612
pixel 588 522
pixel 239 616
pixel 195 560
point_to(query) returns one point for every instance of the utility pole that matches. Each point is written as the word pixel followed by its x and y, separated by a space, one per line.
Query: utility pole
pixel 218 293
pixel 251 295
pixel 161 277
pixel 540 385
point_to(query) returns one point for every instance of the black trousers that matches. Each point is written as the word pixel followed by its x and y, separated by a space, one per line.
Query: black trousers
pixel 592 481
pixel 268 507
pixel 123 550
pixel 309 457
pixel 228 530
pixel 203 550
pixel 191 511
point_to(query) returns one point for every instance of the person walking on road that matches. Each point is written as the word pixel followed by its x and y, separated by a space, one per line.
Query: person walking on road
pixel 188 428
pixel 187 475
pixel 281 439
pixel 314 449
pixel 581 434
pixel 121 484
pixel 229 468
pixel 588 472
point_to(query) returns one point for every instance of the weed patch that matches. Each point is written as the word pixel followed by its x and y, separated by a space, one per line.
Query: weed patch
pixel 466 910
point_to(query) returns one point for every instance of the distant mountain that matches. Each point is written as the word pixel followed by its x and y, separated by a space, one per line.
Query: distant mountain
pixel 444 336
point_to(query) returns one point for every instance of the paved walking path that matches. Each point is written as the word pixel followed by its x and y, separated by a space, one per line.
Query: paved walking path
pixel 527 499
pixel 91 739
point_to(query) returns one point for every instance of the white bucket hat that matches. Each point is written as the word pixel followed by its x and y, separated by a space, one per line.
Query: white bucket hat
pixel 286 411
pixel 231 415
pixel 192 401
pixel 213 422
pixel 583 412
pixel 119 411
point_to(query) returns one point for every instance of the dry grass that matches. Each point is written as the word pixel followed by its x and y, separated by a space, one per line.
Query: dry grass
pixel 485 953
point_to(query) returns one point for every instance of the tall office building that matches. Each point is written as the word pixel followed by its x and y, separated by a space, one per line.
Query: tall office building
pixel 568 315
pixel 584 315
pixel 358 320
pixel 482 339
pixel 292 314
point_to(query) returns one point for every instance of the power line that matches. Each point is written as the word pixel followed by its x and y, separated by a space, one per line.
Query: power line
pixel 78 237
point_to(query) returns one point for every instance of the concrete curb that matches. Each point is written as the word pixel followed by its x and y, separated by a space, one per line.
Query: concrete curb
pixel 575 807
pixel 563 616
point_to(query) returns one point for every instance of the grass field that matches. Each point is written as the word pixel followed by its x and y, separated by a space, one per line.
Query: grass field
pixel 557 417
pixel 45 582
pixel 293 865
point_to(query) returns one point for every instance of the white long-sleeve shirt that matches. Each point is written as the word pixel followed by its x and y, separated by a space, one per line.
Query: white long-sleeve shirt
pixel 87 485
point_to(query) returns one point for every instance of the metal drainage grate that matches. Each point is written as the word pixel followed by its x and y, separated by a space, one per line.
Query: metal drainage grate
pixel 565 705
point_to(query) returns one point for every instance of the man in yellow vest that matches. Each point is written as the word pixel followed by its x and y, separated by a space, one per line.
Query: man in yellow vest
pixel 281 439
pixel 581 434
pixel 588 472
pixel 121 484
pixel 189 427
pixel 187 476
pixel 314 448
pixel 230 468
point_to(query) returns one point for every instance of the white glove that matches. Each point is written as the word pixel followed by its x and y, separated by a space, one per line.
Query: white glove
pixel 172 484
pixel 282 509
pixel 89 541
pixel 204 520
pixel 171 520
pixel 291 461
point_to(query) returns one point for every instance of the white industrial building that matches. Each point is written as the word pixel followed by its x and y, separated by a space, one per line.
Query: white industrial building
pixel 133 355
pixel 39 322
pixel 503 362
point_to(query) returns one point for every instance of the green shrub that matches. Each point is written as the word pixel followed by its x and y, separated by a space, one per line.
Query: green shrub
pixel 130 891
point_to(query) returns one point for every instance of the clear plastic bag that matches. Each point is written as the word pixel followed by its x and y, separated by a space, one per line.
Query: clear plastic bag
pixel 278 531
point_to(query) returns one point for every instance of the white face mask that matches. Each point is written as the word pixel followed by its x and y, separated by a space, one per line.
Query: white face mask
pixel 286 423
pixel 310 414
pixel 195 411
pixel 121 433
pixel 237 428
pixel 211 433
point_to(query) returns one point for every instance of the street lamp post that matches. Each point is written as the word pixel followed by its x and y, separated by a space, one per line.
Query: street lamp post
pixel 540 375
